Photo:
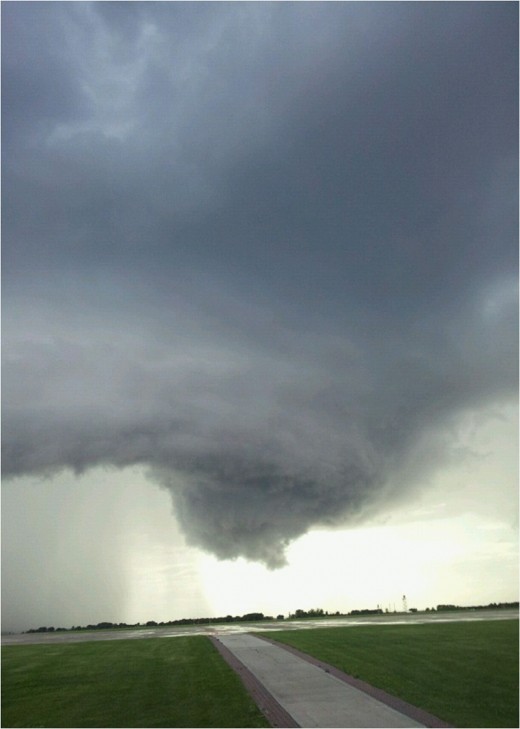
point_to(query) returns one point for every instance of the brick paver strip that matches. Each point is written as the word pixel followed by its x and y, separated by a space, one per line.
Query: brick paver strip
pixel 421 716
pixel 268 705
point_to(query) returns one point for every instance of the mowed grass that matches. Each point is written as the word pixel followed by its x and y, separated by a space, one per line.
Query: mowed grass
pixel 154 682
pixel 465 672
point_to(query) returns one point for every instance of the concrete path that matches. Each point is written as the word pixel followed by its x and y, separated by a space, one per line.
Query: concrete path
pixel 313 697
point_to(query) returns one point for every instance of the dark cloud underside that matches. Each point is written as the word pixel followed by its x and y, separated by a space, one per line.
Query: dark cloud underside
pixel 264 249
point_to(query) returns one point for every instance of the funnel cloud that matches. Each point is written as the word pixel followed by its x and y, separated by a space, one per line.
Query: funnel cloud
pixel 267 251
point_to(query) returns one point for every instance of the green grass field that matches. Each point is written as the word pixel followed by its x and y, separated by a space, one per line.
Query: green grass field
pixel 465 673
pixel 154 682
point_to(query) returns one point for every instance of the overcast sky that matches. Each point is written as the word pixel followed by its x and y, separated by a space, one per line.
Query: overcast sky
pixel 260 307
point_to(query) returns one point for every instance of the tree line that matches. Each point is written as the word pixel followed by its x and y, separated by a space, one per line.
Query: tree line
pixel 248 617
pixel 491 606
pixel 254 617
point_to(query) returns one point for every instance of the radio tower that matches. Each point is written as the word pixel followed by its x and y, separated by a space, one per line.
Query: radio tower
pixel 405 604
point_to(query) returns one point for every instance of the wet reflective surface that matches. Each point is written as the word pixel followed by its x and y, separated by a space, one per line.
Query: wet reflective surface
pixel 174 631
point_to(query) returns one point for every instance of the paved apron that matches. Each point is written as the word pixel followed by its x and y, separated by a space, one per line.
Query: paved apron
pixel 311 696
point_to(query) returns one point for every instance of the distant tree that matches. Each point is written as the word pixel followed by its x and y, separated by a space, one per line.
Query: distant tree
pixel 280 617
pixel 312 613
pixel 315 613
pixel 151 623
pixel 253 616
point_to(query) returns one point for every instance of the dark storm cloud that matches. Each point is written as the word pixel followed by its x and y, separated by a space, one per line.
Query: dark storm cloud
pixel 265 249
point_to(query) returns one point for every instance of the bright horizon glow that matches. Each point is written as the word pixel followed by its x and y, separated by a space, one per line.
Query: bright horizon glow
pixel 371 567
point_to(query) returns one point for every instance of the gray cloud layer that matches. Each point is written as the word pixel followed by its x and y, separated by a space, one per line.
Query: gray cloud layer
pixel 265 249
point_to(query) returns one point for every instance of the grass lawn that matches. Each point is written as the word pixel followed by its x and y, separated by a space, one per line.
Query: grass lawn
pixel 465 673
pixel 153 682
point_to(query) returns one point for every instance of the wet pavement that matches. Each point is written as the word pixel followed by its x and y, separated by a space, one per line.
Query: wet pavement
pixel 174 631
